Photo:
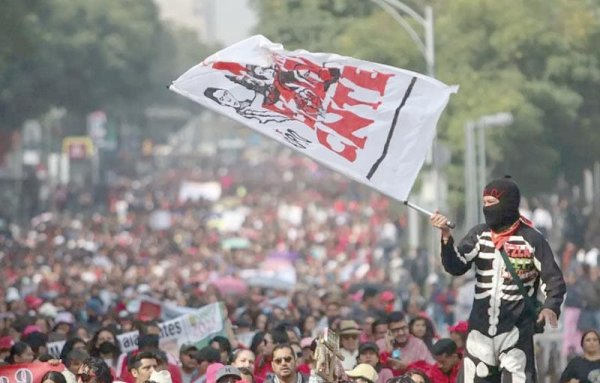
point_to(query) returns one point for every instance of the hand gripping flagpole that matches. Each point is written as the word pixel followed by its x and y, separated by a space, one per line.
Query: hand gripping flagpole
pixel 450 224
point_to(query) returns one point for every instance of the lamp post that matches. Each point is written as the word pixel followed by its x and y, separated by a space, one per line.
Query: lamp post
pixel 426 45
pixel 476 168
pixel 396 9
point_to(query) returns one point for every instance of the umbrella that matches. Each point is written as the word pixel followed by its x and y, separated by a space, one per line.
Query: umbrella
pixel 230 285
pixel 283 254
pixel 270 282
pixel 235 243
pixel 276 274
pixel 361 286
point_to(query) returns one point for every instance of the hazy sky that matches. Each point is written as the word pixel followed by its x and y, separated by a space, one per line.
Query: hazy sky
pixel 233 20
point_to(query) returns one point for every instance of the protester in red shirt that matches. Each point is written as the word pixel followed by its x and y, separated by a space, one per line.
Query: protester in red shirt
pixel 458 333
pixel 448 362
pixel 262 345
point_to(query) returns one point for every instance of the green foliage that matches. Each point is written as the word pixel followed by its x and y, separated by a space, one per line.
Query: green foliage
pixel 85 55
pixel 538 59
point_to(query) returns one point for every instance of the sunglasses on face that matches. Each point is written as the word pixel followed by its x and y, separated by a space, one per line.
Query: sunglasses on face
pixel 85 377
pixel 287 359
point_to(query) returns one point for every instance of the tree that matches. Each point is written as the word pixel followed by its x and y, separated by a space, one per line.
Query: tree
pixel 536 59
pixel 113 55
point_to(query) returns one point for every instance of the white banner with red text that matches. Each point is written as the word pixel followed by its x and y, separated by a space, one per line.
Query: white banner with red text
pixel 373 123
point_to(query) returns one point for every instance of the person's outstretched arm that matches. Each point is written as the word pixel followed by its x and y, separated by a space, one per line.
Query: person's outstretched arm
pixel 456 259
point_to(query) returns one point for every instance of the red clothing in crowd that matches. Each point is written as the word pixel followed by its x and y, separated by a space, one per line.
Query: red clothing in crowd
pixel 262 368
pixel 125 376
pixel 437 376
pixel 304 369
pixel 434 373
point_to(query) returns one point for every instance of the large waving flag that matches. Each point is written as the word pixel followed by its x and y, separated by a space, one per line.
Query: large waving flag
pixel 372 122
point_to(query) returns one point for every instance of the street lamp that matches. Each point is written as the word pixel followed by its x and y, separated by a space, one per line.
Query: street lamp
pixel 426 46
pixel 475 176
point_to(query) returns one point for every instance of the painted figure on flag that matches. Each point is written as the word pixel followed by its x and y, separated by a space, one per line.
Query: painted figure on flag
pixel 246 108
pixel 336 103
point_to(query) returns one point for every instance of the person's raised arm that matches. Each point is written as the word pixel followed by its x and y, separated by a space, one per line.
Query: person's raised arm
pixel 455 259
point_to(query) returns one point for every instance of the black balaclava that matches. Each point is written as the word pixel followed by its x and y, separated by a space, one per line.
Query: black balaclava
pixel 506 212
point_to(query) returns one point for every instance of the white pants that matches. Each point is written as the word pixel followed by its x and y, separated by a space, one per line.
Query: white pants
pixel 506 357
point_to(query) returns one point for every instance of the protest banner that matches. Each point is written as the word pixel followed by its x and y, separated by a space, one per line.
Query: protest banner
pixel 192 328
pixel 26 372
pixel 371 122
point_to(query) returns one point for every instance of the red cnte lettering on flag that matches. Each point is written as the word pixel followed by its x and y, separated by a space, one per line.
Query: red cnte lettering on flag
pixel 323 98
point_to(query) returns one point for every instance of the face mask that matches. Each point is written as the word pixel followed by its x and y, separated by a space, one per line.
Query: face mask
pixel 498 218
pixel 506 212
pixel 106 348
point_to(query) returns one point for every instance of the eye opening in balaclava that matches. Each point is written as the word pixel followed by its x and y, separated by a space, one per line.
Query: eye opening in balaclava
pixel 506 212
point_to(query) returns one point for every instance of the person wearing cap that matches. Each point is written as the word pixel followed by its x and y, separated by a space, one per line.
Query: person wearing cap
pixel 369 353
pixel 348 331
pixel 163 376
pixel 228 374
pixel 502 324
pixel 387 298
pixel 447 360
pixel 363 373
pixel 458 333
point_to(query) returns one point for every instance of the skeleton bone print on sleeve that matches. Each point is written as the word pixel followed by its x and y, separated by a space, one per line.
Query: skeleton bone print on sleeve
pixel 498 304
pixel 501 330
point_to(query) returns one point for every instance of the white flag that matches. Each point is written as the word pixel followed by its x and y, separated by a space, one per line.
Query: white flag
pixel 372 122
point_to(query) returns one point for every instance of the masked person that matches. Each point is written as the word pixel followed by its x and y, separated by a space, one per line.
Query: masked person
pixel 502 322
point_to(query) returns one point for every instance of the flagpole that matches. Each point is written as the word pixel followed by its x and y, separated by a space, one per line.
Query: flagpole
pixel 450 224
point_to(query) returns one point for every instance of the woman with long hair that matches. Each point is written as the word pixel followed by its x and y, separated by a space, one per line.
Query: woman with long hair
pixel 104 345
pixel 308 326
pixel 20 352
pixel 585 368
pixel 262 345
pixel 422 327
pixel 70 345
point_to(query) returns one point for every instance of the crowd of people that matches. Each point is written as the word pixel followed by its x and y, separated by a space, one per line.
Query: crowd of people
pixel 72 275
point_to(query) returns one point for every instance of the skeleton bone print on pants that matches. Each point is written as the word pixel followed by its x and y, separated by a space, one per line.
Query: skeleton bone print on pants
pixel 501 329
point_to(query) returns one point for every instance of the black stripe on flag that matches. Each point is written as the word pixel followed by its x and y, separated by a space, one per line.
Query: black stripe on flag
pixel 393 127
